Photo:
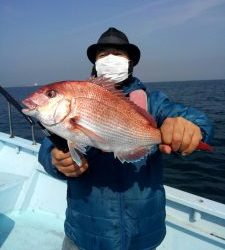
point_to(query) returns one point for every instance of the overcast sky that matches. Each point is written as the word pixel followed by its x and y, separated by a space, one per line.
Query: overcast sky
pixel 45 41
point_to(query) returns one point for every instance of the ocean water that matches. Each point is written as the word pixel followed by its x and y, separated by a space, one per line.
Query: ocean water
pixel 201 173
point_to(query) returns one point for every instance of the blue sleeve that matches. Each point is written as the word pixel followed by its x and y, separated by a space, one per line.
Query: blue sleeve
pixel 161 107
pixel 44 157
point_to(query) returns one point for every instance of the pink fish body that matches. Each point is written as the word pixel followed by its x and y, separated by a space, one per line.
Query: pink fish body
pixel 93 113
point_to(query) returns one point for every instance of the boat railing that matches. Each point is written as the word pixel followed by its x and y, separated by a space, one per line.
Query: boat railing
pixel 11 130
pixel 58 141
pixel 12 102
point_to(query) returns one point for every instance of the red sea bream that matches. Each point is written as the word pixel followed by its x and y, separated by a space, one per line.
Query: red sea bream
pixel 94 113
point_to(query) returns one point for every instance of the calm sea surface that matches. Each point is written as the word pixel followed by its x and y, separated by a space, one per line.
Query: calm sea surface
pixel 201 173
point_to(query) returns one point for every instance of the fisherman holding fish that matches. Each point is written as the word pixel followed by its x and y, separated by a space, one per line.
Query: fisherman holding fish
pixel 116 132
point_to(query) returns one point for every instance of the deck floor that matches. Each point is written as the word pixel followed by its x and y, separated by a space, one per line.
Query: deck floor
pixel 31 230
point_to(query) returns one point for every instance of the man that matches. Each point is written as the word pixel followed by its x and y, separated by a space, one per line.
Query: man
pixel 122 206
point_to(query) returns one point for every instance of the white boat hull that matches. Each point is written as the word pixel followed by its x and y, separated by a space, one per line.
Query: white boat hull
pixel 32 207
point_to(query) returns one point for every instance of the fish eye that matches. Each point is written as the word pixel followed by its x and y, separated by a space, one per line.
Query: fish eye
pixel 51 93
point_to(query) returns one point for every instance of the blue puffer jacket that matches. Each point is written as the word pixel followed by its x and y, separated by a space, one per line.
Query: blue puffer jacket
pixel 116 206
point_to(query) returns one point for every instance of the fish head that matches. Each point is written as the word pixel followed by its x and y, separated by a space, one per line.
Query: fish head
pixel 49 104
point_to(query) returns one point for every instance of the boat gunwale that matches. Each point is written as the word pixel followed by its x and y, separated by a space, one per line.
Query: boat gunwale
pixel 177 196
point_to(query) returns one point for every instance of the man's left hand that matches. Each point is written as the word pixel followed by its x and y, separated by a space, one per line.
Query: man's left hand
pixel 179 135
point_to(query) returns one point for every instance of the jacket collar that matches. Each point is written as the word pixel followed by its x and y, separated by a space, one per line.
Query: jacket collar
pixel 134 84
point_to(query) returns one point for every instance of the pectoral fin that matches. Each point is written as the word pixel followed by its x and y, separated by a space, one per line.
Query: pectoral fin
pixel 76 123
pixel 74 154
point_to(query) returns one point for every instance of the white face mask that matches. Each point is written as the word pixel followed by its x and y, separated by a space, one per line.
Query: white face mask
pixel 112 67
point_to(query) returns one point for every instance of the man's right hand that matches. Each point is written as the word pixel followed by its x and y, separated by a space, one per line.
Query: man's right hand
pixel 65 164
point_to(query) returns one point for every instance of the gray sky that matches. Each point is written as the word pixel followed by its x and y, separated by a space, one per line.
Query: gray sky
pixel 45 41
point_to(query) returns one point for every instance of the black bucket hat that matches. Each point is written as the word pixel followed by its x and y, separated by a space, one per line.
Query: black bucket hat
pixel 114 38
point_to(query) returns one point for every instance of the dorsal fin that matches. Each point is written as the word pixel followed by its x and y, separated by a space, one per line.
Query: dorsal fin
pixel 110 86
pixel 144 113
pixel 107 84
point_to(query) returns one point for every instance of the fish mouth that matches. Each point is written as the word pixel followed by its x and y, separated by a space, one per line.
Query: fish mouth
pixel 30 105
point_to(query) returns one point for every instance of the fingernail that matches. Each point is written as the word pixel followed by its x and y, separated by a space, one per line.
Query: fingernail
pixel 184 154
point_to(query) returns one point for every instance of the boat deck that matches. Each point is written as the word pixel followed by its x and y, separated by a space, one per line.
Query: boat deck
pixel 31 230
pixel 32 215
pixel 40 230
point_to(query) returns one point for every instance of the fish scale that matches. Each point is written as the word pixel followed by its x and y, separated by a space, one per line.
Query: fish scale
pixel 112 129
pixel 109 123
